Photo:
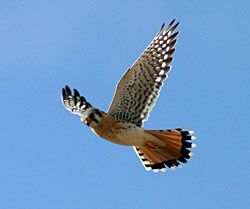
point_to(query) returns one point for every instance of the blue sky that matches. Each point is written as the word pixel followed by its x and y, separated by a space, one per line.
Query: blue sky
pixel 49 160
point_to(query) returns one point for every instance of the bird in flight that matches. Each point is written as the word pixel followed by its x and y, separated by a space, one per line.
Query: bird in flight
pixel 134 98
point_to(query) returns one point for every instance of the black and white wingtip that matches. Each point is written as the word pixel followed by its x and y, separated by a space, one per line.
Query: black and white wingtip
pixel 169 29
pixel 74 102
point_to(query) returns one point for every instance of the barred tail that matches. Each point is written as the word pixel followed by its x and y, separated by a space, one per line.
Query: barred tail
pixel 174 152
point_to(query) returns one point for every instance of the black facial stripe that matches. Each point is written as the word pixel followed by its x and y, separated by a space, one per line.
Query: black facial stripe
pixel 98 112
pixel 92 117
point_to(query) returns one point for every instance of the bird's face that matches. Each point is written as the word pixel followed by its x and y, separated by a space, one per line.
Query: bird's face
pixel 91 116
pixel 85 115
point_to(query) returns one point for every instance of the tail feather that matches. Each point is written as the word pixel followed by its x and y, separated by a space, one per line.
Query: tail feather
pixel 176 149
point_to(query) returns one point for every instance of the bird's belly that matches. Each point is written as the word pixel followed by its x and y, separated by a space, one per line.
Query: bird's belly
pixel 126 137
pixel 130 138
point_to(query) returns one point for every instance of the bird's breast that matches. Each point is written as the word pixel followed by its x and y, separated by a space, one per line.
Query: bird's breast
pixel 119 133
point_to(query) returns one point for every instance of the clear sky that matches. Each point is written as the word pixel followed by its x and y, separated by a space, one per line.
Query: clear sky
pixel 50 160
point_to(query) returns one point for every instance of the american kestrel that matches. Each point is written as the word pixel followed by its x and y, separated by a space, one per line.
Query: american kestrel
pixel 134 98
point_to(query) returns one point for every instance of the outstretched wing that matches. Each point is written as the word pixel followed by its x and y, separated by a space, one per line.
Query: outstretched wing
pixel 74 102
pixel 139 88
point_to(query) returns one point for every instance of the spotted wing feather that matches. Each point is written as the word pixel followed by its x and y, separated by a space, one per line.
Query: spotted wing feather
pixel 139 88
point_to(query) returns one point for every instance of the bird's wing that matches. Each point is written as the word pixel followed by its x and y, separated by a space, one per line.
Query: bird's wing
pixel 139 88
pixel 74 102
